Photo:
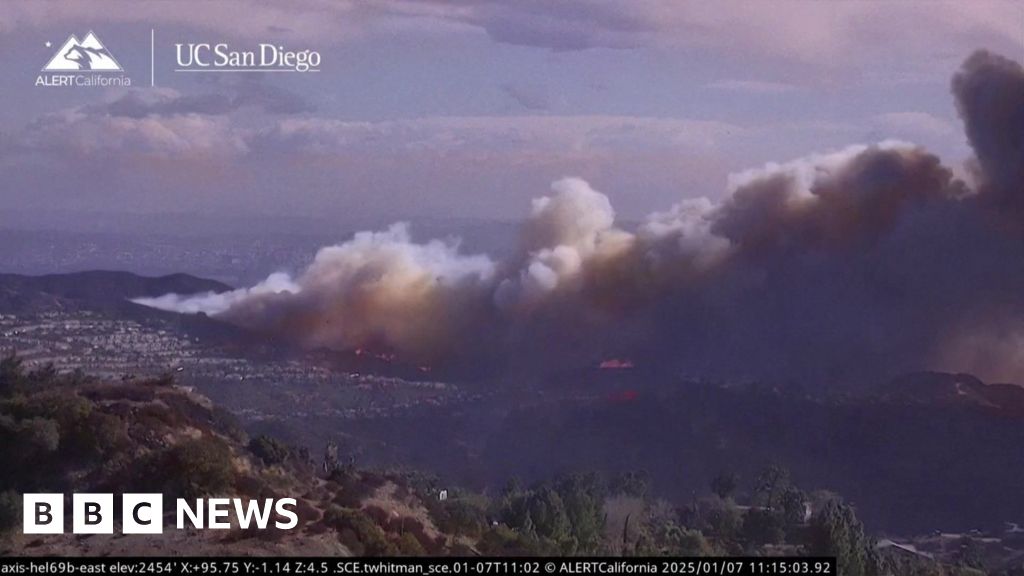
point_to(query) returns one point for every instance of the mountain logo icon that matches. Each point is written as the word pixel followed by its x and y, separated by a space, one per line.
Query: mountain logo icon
pixel 89 54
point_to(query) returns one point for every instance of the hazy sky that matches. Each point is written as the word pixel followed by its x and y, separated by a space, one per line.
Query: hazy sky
pixel 445 108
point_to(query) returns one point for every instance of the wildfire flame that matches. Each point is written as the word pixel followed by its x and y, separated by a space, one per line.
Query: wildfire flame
pixel 624 396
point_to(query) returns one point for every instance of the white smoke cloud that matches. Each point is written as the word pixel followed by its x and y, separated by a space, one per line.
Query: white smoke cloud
pixel 216 303
pixel 379 288
pixel 564 232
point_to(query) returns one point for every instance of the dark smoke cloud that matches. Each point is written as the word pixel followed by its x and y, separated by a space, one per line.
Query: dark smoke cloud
pixel 989 90
pixel 855 264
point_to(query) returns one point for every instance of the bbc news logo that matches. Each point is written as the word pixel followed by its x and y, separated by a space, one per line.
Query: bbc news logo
pixel 144 513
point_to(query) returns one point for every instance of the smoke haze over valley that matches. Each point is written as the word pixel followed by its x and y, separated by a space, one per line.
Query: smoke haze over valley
pixel 850 265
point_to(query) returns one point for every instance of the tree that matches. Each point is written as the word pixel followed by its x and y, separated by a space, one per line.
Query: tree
pixel 836 531
pixel 719 518
pixel 528 530
pixel 583 496
pixel 543 509
pixel 793 506
pixel 970 555
pixel 770 486
pixel 512 487
pixel 460 516
pixel 631 483
pixel 662 535
pixel 42 376
pixel 12 374
pixel 763 526
pixel 724 485
pixel 547 511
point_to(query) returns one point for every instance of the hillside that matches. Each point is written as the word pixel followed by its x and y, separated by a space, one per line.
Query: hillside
pixel 108 294
pixel 964 390
pixel 88 436
pixel 75 434
pixel 72 433
pixel 105 286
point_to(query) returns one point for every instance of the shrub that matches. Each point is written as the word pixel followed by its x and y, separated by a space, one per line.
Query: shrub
pixel 154 418
pixel 358 532
pixel 353 487
pixel 720 518
pixel 122 391
pixel 85 432
pixel 98 435
pixel 12 374
pixel 690 543
pixel 761 526
pixel 724 485
pixel 27 450
pixel 461 516
pixel 633 483
pixel 673 540
pixel 270 450
pixel 503 541
pixel 408 545
pixel 40 435
pixel 10 511
pixel 228 424
pixel 191 469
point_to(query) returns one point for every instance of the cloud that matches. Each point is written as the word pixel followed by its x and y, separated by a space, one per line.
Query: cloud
pixel 79 132
pixel 159 121
pixel 564 26
pixel 303 19
pixel 757 87
pixel 530 97
pixel 208 149
pixel 166 121
pixel 251 93
pixel 919 124
pixel 535 134
pixel 811 34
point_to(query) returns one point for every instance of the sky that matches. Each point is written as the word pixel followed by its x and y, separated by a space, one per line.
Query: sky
pixel 459 109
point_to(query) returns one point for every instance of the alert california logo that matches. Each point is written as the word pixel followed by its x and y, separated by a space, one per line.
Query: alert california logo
pixel 84 63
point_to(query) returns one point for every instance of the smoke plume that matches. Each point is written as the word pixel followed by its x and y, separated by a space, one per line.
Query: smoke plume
pixel 858 263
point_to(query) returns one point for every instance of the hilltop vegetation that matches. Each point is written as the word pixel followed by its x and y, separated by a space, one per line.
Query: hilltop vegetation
pixel 72 433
